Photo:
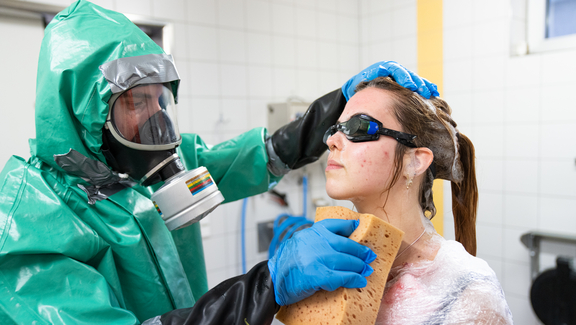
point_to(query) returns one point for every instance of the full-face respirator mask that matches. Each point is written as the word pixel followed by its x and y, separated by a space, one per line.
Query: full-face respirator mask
pixel 141 135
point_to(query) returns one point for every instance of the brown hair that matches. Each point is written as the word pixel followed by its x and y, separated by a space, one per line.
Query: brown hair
pixel 435 129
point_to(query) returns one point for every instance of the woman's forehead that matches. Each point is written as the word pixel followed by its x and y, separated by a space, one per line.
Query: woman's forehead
pixel 374 102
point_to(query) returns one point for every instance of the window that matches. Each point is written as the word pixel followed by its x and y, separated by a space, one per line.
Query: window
pixel 551 25
pixel 560 18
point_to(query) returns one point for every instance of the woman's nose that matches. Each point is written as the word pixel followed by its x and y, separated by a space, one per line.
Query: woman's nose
pixel 336 141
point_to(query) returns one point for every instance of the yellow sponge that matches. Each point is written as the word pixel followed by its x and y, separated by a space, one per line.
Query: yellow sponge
pixel 350 306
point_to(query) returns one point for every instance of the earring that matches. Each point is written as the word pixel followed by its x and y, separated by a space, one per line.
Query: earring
pixel 409 180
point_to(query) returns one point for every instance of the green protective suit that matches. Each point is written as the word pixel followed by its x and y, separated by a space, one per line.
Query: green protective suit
pixel 65 261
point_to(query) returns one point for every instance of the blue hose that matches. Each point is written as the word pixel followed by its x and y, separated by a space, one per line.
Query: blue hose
pixel 243 234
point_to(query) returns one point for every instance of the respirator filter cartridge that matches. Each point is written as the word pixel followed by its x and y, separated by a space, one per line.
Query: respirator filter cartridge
pixel 187 198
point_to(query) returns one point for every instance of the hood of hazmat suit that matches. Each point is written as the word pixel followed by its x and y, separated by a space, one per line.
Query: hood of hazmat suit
pixel 79 243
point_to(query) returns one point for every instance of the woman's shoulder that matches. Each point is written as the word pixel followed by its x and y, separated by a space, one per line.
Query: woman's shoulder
pixel 480 295
pixel 453 254
pixel 454 288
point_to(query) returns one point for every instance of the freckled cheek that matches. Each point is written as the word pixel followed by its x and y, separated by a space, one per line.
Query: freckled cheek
pixel 369 160
pixel 386 158
pixel 380 165
pixel 364 157
pixel 367 163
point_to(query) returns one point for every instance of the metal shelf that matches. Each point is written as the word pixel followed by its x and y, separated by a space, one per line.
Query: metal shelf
pixel 532 241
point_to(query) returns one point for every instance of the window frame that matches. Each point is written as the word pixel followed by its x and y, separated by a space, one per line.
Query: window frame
pixel 160 31
pixel 536 31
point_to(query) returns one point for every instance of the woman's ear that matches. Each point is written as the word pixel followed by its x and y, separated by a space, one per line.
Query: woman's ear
pixel 424 158
pixel 417 161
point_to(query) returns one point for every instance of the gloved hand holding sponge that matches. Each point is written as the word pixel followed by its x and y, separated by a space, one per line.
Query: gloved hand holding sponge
pixel 319 257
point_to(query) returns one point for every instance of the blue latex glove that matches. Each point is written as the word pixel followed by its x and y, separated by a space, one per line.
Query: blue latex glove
pixel 401 75
pixel 320 257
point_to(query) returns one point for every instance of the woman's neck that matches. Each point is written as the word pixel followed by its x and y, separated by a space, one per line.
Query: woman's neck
pixel 399 209
pixel 403 211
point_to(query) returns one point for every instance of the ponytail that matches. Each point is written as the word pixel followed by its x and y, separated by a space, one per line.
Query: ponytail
pixel 465 197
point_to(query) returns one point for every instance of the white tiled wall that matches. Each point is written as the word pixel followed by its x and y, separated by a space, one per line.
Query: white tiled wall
pixel 17 92
pixel 520 115
pixel 388 32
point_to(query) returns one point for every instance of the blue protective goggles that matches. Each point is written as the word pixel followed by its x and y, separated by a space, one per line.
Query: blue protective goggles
pixel 361 127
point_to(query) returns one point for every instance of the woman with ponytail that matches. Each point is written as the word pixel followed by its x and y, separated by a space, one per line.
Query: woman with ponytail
pixel 385 152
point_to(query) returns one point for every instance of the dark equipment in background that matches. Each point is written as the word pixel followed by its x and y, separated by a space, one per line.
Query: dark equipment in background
pixel 553 294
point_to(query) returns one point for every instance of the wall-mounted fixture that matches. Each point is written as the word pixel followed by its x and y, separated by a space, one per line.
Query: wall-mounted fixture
pixel 279 114
pixel 553 292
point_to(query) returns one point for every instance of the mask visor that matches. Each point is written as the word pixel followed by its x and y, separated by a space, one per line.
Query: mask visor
pixel 146 116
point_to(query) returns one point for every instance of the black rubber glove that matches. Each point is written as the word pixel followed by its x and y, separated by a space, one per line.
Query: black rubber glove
pixel 300 142
pixel 245 299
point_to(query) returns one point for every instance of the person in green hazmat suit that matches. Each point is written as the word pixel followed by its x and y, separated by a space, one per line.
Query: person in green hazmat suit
pixel 80 240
